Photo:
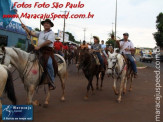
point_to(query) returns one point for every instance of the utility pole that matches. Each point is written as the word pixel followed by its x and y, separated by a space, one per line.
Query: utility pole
pixel 84 32
pixel 112 26
pixel 64 26
pixel 116 20
pixel 90 38
pixel 40 24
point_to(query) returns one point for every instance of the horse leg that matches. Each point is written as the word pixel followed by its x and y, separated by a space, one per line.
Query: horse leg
pixel 115 87
pixel 102 78
pixel 47 99
pixel 97 76
pixel 120 91
pixel 2 87
pixel 131 79
pixel 92 88
pixel 62 79
pixel 125 85
pixel 88 88
pixel 30 93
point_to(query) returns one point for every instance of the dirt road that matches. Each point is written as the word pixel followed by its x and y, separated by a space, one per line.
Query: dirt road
pixel 136 106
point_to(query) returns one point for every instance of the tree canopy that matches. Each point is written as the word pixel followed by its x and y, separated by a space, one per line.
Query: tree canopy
pixel 71 37
pixel 159 34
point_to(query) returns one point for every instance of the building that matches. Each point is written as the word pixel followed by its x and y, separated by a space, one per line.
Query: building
pixel 13 35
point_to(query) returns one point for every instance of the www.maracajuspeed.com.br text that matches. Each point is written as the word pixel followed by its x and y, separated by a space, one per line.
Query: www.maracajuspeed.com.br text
pixel 51 16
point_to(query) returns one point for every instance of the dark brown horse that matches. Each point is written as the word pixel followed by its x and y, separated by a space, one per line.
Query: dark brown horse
pixel 88 64
pixel 68 56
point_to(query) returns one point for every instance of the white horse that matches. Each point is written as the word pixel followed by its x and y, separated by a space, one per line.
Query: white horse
pixel 6 86
pixel 117 69
pixel 30 71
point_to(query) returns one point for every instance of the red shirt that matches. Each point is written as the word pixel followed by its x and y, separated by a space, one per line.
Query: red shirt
pixel 65 47
pixel 58 45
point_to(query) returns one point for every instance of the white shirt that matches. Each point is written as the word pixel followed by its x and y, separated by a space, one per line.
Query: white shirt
pixel 103 46
pixel 124 45
pixel 89 46
pixel 44 36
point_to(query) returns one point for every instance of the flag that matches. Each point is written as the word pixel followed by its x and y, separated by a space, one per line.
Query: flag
pixel 6 8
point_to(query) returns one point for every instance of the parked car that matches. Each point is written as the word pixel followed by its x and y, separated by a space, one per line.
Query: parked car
pixel 146 57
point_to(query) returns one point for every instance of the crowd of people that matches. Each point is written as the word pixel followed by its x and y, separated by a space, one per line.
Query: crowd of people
pixel 47 42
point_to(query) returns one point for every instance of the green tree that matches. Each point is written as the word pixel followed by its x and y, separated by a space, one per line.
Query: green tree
pixel 37 29
pixel 159 34
pixel 71 37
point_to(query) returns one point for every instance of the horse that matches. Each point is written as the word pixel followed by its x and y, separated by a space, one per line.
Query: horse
pixel 30 71
pixel 6 86
pixel 130 74
pixel 88 64
pixel 67 57
pixel 117 68
pixel 76 54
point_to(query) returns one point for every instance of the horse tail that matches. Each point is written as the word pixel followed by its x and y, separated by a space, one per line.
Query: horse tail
pixel 9 89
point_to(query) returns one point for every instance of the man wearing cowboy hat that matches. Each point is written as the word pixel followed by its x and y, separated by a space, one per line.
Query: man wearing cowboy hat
pixel 96 48
pixel 45 46
pixel 58 46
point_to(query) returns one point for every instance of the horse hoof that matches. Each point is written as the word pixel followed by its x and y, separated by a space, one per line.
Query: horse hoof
pixel 36 103
pixel 45 105
pixel 116 93
pixel 118 101
pixel 130 90
pixel 62 99
pixel 124 92
pixel 86 98
pixel 97 88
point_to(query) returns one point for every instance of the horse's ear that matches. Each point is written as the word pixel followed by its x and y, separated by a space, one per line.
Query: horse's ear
pixel 3 48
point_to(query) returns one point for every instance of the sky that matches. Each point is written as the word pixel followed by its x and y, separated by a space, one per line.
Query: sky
pixel 137 17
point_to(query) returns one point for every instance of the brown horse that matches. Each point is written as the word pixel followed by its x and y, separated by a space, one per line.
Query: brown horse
pixel 88 64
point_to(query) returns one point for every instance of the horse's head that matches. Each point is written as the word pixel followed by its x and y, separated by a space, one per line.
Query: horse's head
pixel 112 61
pixel 83 58
pixel 4 56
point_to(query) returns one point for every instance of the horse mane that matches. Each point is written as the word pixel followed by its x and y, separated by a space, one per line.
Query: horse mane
pixel 20 52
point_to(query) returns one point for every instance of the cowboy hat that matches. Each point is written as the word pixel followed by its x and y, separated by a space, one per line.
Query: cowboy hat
pixel 49 21
pixel 96 37
pixel 57 38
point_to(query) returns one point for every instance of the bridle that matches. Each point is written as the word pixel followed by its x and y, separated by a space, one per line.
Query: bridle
pixel 3 57
pixel 115 71
pixel 113 67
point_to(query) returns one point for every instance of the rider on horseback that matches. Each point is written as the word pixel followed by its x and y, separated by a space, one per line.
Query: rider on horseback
pixel 58 46
pixel 84 45
pixel 45 46
pixel 126 47
pixel 103 46
pixel 96 48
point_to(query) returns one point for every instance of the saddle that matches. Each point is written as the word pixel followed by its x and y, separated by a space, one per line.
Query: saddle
pixel 96 59
pixel 42 56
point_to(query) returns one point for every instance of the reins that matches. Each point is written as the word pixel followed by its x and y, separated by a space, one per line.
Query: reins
pixel 114 70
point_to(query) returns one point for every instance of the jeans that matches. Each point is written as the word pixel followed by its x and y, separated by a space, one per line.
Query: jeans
pixel 50 68
pixel 100 59
pixel 129 56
